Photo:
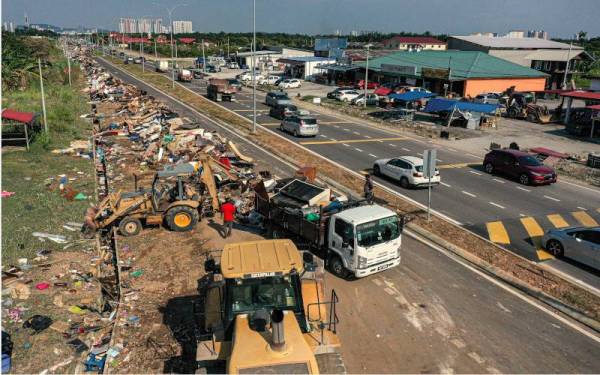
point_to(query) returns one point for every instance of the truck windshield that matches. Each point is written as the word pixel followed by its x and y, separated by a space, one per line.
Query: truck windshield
pixel 262 293
pixel 378 231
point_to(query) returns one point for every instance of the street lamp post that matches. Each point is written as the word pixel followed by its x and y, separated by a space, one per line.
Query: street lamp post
pixel 367 74
pixel 170 11
pixel 142 52
pixel 253 67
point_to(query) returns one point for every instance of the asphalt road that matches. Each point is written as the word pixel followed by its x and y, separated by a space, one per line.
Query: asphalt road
pixel 492 206
pixel 435 314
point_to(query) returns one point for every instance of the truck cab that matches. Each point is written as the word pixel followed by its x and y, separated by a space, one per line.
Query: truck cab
pixel 364 240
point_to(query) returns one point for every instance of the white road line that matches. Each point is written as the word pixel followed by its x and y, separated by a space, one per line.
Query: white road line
pixel 493 370
pixel 405 149
pixel 477 173
pixel 469 194
pixel 439 160
pixel 358 149
pixel 551 198
pixel 458 343
pixel 347 129
pixel 500 181
pixel 336 126
pixel 475 156
pixel 476 357
pixel 367 136
pixel 445 184
pixel 582 208
pixel 579 186
pixel 373 155
pixel 497 205
pixel 333 139
pixel 522 188
pixel 522 215
pixel 357 133
pixel 391 144
pixel 321 135
pixel 345 144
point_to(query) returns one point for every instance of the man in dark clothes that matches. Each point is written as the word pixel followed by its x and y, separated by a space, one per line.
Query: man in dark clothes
pixel 228 214
pixel 368 189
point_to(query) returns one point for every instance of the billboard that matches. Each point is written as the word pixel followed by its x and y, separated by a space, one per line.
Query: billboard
pixel 435 73
pixel 408 70
pixel 326 44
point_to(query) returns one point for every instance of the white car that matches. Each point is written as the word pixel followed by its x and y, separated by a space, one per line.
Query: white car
pixel 408 170
pixel 347 95
pixel 233 65
pixel 248 77
pixel 270 80
pixel 290 83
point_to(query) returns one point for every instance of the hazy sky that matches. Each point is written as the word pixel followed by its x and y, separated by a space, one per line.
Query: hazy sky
pixel 560 18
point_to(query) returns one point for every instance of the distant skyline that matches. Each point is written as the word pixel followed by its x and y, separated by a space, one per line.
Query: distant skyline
pixel 558 17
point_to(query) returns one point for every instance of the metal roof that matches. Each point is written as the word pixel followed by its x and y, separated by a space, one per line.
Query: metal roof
pixel 411 96
pixel 586 95
pixel 260 258
pixel 415 40
pixel 364 214
pixel 308 58
pixel 513 43
pixel 463 64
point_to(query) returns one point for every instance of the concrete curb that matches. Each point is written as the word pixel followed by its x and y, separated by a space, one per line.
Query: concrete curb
pixel 507 278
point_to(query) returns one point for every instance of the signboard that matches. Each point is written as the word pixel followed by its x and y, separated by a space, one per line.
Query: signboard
pixel 400 69
pixel 429 157
pixel 435 73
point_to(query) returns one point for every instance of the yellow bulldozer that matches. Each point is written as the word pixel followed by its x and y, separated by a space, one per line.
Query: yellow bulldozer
pixel 265 311
pixel 173 198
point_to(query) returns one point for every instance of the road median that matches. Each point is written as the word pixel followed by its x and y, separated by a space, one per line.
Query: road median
pixel 527 272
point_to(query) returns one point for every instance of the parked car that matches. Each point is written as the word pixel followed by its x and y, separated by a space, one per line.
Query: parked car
pixel 282 111
pixel 274 98
pixel 247 76
pixel 269 80
pixel 198 73
pixel 519 165
pixel 213 69
pixel 138 60
pixel 234 83
pixel 128 60
pixel 489 98
pixel 408 170
pixel 372 99
pixel 233 65
pixel 578 243
pixel 346 95
pixel 290 83
pixel 411 89
pixel 300 126
pixel 370 86
pixel 333 94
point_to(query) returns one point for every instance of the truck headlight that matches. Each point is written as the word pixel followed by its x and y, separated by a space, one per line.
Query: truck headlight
pixel 362 262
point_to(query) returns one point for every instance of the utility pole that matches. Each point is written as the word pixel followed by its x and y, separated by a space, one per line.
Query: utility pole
pixel 43 98
pixel 69 67
pixel 203 58
pixel 227 45
pixel 155 53
pixel 367 75
pixel 564 83
pixel 253 67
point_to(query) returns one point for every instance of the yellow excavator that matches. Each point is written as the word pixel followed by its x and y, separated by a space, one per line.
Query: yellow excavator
pixel 265 311
pixel 176 203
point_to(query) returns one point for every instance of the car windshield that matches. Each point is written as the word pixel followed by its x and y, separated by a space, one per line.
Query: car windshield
pixel 529 161
pixel 268 293
pixel 378 231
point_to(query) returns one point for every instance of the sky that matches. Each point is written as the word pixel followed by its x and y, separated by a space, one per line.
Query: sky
pixel 561 18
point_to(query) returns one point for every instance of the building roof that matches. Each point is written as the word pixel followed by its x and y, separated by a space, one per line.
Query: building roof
pixel 258 53
pixel 463 64
pixel 309 58
pixel 447 105
pixel 514 43
pixel 260 258
pixel 585 95
pixel 416 40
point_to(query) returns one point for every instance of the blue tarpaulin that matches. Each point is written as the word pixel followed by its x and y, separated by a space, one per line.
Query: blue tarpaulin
pixel 411 96
pixel 441 105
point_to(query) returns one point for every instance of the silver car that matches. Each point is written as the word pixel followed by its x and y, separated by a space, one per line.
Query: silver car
pixel 300 126
pixel 578 243
pixel 275 98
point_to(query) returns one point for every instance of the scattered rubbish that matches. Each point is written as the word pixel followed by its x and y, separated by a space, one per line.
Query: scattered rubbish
pixel 42 286
pixel 22 261
pixel 52 237
pixel 43 252
pixel 78 345
pixel 7 349
pixel 95 362
pixel 77 310
pixel 38 323
pixel 20 291
pixel 60 326
pixel 80 197
pixel 5 194
pixel 137 273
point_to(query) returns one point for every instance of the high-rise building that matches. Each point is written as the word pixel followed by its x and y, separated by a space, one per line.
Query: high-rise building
pixel 516 34
pixel 128 26
pixel 144 25
pixel 540 34
pixel 182 27
pixel 157 26
pixel 11 27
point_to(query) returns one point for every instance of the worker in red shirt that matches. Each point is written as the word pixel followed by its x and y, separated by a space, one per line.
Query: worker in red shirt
pixel 227 213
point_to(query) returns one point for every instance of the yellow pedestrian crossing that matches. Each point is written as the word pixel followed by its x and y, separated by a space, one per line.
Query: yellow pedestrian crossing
pixel 585 219
pixel 558 221
pixel 497 232
pixel 536 232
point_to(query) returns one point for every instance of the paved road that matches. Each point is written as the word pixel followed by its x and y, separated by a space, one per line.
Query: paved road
pixel 497 208
pixel 434 314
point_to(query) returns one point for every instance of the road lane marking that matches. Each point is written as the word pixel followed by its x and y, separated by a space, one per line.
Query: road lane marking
pixel 332 122
pixel 377 282
pixel 321 135
pixel 585 219
pixel 582 208
pixel 557 221
pixel 476 357
pixel 493 370
pixel 469 194
pixel 477 173
pixel 347 129
pixel 345 144
pixel 551 198
pixel 497 205
pixel 445 184
pixel 497 232
pixel 391 144
pixel 405 149
pixel 367 136
pixel 374 156
pixel 522 188
pixel 460 344
pixel 500 181
pixel 358 149
pixel 536 232
pixel 333 141
pixel 357 133
pixel 439 160
pixel 458 165
pixel 250 110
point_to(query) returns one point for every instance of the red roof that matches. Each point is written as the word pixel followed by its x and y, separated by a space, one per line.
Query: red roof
pixel 594 107
pixel 587 95
pixel 24 117
pixel 548 152
pixel 187 40
pixel 382 91
pixel 416 40
pixel 554 91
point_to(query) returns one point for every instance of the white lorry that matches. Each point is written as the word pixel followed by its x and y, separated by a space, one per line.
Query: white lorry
pixel 162 66
pixel 355 239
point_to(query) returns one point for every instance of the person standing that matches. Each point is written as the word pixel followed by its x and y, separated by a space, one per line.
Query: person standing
pixel 228 214
pixel 368 189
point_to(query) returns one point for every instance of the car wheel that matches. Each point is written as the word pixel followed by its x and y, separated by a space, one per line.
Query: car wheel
pixel 376 170
pixel 524 179
pixel 130 226
pixel 555 248
pixel 295 133
pixel 489 168
pixel 336 266
pixel 404 183
pixel 281 128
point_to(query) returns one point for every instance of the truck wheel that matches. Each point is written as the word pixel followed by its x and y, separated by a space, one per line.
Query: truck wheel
pixel 336 266
pixel 130 226
pixel 181 218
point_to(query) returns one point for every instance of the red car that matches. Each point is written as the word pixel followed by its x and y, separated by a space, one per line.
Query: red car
pixel 519 165
pixel 371 85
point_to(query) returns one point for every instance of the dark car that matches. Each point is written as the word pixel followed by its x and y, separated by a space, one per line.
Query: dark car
pixel 519 165
pixel 281 111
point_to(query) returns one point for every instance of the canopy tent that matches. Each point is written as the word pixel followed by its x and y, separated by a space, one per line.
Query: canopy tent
pixel 411 96
pixel 382 91
pixel 447 105
pixel 12 119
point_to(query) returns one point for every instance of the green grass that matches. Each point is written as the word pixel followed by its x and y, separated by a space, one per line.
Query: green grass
pixel 37 207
